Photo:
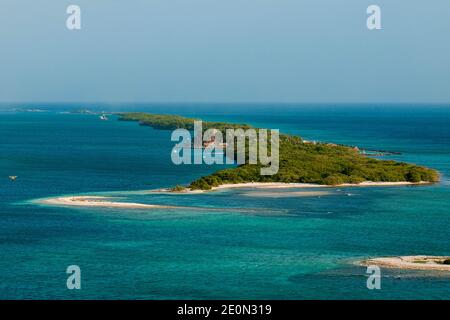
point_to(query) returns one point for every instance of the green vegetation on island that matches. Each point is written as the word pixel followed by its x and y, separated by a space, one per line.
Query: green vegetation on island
pixel 172 122
pixel 300 162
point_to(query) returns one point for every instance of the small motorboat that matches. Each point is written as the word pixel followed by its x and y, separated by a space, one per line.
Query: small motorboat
pixel 103 117
pixel 13 178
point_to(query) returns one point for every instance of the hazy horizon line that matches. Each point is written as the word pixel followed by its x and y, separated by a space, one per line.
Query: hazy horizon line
pixel 220 103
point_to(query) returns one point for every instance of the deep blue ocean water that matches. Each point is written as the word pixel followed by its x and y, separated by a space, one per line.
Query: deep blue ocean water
pixel 229 244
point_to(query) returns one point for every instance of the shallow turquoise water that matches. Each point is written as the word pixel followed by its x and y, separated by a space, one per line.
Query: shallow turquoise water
pixel 244 246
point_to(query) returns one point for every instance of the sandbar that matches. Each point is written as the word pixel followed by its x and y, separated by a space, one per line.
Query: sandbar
pixel 97 201
pixel 420 262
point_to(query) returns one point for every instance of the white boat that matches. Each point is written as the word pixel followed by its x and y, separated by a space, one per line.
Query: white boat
pixel 103 117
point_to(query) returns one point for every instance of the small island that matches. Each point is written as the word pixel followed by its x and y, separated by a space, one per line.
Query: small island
pixel 300 162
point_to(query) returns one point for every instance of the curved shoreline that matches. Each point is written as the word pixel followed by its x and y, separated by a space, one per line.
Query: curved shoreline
pixel 104 202
pixel 410 262
pixel 281 185
pixel 286 185
pixel 97 201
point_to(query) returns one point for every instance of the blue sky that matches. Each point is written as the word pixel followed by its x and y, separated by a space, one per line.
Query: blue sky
pixel 225 51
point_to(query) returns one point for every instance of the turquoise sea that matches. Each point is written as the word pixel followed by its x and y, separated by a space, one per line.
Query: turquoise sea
pixel 233 244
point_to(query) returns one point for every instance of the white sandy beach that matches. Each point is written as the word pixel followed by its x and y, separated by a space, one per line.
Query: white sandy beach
pixel 410 262
pixel 283 185
pixel 105 202
pixel 99 201
pixel 280 185
pixel 96 201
